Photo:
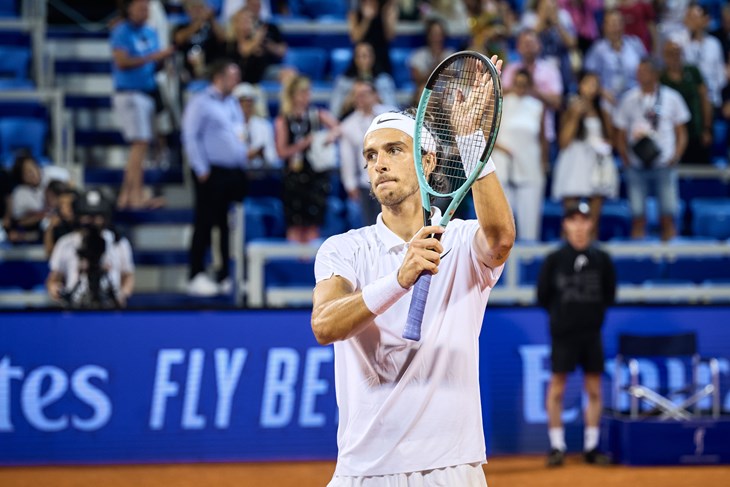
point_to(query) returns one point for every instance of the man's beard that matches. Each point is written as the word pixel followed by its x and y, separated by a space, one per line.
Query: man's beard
pixel 393 198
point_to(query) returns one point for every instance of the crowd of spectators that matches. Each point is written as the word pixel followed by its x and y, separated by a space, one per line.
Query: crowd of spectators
pixel 591 87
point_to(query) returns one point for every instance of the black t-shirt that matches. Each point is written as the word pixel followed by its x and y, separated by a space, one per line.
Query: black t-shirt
pixel 205 40
pixel 254 66
pixel 576 287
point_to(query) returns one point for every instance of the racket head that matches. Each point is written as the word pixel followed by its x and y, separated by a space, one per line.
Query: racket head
pixel 466 79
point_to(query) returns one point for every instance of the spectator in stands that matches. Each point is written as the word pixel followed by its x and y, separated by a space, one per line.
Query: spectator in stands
pixel 554 27
pixel 6 190
pixel 703 50
pixel 374 22
pixel 92 267
pixel 28 200
pixel 256 46
pixel 424 59
pixel 585 168
pixel 584 14
pixel 452 13
pixel 491 23
pixel 577 283
pixel 687 80
pixel 200 40
pixel 352 165
pixel 363 67
pixel 725 110
pixel 670 15
pixel 136 54
pixel 305 190
pixel 640 21
pixel 521 155
pixel 615 57
pixel 651 138
pixel 217 153
pixel 61 222
pixel 258 132
pixel 547 84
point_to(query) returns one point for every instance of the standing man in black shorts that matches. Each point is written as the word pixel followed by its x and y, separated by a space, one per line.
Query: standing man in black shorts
pixel 577 283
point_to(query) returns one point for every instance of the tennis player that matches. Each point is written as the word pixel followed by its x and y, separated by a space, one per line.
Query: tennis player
pixel 409 412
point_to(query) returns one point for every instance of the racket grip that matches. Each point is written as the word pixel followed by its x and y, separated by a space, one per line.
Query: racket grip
pixel 412 330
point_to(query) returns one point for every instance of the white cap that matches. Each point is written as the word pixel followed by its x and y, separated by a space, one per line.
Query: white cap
pixel 244 90
pixel 404 123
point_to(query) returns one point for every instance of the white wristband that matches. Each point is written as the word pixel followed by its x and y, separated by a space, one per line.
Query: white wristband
pixel 382 294
pixel 488 169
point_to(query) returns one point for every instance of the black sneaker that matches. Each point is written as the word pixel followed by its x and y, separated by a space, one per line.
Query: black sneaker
pixel 555 458
pixel 596 457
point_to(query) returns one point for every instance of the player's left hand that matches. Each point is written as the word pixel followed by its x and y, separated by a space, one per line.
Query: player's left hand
pixel 468 111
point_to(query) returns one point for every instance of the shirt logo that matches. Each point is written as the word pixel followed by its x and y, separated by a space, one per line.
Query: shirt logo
pixel 580 262
pixel 446 253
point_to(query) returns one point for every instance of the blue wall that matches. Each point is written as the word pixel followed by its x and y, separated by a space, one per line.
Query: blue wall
pixel 254 385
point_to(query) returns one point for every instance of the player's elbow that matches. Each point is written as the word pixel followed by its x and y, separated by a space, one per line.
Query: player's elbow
pixel 322 331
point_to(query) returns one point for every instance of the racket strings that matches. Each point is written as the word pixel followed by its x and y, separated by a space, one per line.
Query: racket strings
pixel 455 103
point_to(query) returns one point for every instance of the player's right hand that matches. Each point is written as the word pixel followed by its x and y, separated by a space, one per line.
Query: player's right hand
pixel 424 254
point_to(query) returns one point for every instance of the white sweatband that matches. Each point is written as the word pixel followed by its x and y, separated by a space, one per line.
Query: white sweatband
pixel 404 123
pixel 473 146
pixel 382 294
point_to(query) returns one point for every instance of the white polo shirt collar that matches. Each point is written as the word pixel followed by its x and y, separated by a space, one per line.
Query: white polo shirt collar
pixel 390 240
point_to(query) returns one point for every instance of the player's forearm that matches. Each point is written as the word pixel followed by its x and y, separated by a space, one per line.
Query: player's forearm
pixel 495 217
pixel 340 318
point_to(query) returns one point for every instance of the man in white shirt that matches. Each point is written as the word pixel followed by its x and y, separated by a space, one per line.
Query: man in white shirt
pixel 353 173
pixel 410 412
pixel 703 51
pixel 652 114
pixel 91 266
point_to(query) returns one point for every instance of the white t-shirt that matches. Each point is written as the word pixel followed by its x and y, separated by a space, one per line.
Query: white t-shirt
pixel 410 406
pixel 519 132
pixel 707 56
pixel 631 116
pixel 117 259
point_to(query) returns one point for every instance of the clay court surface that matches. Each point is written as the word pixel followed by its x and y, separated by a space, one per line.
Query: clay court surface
pixel 501 472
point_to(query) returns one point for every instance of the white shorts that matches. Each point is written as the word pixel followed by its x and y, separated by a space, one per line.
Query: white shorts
pixel 135 112
pixel 469 475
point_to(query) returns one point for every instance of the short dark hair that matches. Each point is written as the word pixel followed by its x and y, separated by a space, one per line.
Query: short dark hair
pixel 17 170
pixel 218 67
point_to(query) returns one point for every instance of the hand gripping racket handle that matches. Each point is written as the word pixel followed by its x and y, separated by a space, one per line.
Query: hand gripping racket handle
pixel 412 330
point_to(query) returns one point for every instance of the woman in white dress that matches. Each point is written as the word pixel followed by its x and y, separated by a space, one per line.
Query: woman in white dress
pixel 520 155
pixel 585 168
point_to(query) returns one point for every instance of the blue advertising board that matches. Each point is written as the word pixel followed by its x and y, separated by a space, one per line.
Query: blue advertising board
pixel 254 385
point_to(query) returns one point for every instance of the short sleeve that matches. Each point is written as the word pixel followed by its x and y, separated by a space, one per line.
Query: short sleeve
pixel 486 276
pixel 58 260
pixel 118 39
pixel 126 260
pixel 336 258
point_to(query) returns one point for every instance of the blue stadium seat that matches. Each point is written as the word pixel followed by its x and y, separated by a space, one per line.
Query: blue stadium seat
pixel 354 214
pixel 16 84
pixel 335 219
pixel 319 9
pixel 264 218
pixel 615 220
pixel 652 215
pixel 635 270
pixel 340 59
pixel 9 8
pixel 289 272
pixel 552 214
pixel 712 187
pixel 720 141
pixel 711 217
pixel 14 62
pixel 530 271
pixel 699 269
pixel 401 71
pixel 23 274
pixel 310 61
pixel 22 133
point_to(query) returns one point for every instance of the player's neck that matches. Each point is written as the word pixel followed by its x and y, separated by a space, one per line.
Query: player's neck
pixel 404 219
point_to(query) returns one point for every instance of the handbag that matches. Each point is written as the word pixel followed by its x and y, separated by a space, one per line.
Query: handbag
pixel 647 151
pixel 321 154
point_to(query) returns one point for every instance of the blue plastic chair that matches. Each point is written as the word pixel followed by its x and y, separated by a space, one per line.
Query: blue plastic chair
pixel 318 9
pixel 14 62
pixel 340 59
pixel 9 8
pixel 711 217
pixel 264 218
pixel 310 61
pixel 401 71
pixel 637 270
pixel 22 133
pixel 699 269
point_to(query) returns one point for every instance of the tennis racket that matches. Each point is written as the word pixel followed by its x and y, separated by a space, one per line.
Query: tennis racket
pixel 458 114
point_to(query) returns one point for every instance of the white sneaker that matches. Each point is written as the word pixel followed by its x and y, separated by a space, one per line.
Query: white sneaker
pixel 202 286
pixel 225 287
